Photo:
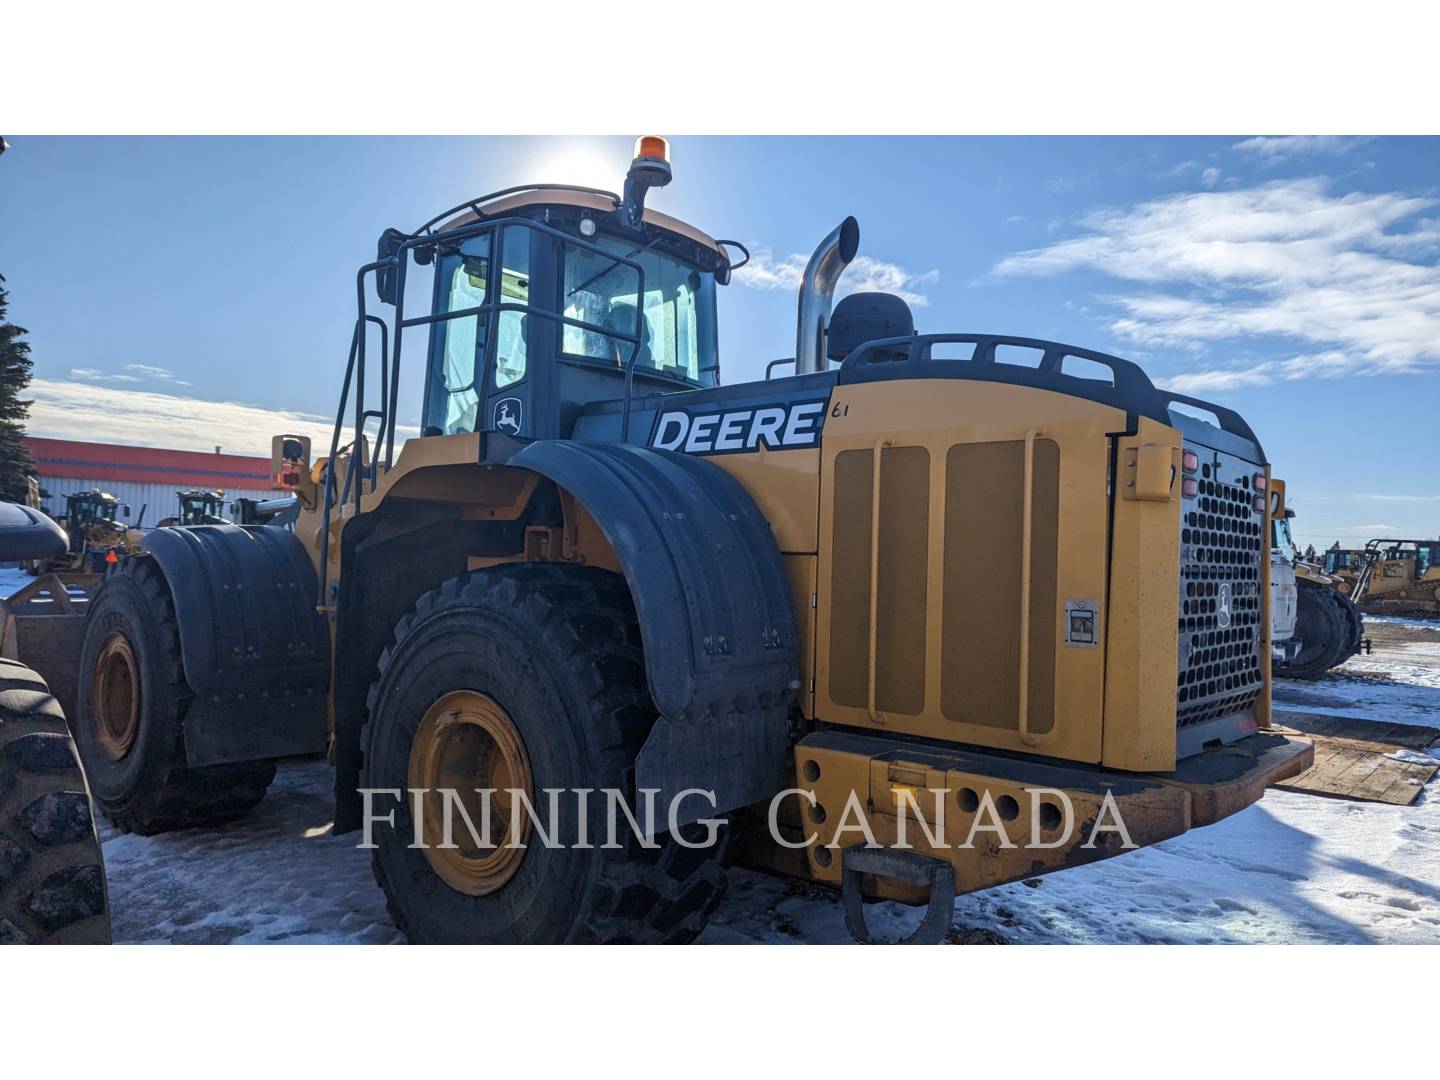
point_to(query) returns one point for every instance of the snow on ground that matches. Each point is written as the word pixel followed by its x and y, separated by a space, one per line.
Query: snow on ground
pixel 278 875
pixel 12 580
pixel 1293 868
pixel 1399 681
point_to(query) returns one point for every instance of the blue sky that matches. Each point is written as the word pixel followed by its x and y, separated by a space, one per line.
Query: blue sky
pixel 185 291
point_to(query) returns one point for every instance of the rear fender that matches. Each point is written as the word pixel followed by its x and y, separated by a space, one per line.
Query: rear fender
pixel 255 651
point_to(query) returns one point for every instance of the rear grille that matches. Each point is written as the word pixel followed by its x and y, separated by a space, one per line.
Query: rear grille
pixel 1221 539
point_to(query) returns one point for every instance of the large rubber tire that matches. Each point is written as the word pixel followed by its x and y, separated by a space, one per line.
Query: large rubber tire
pixel 1354 625
pixel 52 879
pixel 149 789
pixel 1325 631
pixel 558 648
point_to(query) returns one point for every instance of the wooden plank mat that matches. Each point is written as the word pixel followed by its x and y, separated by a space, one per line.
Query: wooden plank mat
pixel 1351 761
pixel 1410 736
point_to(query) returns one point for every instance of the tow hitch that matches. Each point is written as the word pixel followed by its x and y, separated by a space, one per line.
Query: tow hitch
pixel 906 866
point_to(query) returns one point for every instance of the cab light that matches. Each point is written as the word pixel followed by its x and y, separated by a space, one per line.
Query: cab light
pixel 1190 461
pixel 1259 481
pixel 1189 487
pixel 652 146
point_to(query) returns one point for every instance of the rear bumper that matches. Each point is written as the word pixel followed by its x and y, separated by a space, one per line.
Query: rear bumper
pixel 1229 778
pixel 996 819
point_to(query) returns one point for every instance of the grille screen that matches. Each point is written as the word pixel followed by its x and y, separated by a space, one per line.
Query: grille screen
pixel 1220 603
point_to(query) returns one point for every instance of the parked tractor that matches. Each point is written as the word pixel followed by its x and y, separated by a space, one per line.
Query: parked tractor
pixel 1315 626
pixel 97 538
pixel 1009 570
pixel 1399 577
pixel 197 507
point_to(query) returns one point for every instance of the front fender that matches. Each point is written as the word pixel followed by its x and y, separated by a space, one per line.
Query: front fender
pixel 713 601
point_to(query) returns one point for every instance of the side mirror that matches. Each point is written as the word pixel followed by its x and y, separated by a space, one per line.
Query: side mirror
pixel 387 278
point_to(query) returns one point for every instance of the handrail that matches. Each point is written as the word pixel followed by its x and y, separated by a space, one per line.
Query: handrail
pixel 880 445
pixel 1026 528
pixel 391 351
pixel 479 200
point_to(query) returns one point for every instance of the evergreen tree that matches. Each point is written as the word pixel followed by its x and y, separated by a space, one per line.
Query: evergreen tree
pixel 15 364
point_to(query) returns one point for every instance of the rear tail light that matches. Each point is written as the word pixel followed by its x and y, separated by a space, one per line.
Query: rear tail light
pixel 1189 487
pixel 1259 504
pixel 1259 481
pixel 1190 461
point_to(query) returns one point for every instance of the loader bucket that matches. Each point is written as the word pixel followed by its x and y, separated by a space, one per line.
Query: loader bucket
pixel 42 626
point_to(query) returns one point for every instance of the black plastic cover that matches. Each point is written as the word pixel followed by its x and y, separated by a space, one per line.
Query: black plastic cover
pixel 862 317
pixel 26 533
pixel 255 650
pixel 713 601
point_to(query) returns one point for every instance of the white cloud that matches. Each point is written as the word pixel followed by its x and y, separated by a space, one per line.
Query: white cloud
pixel 864 274
pixel 133 373
pixel 1273 148
pixel 160 374
pixel 1340 275
pixel 1403 498
pixel 96 375
pixel 1204 382
pixel 1179 170
pixel 1210 177
pixel 77 410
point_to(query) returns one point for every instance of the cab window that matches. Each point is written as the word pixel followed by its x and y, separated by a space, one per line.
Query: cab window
pixel 464 279
pixel 511 332
pixel 599 289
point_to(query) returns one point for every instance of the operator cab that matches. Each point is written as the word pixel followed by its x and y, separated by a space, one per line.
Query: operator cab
pixel 86 508
pixel 201 507
pixel 545 300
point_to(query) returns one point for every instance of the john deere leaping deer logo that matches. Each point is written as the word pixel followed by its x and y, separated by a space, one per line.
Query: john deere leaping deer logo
pixel 507 415
pixel 1222 606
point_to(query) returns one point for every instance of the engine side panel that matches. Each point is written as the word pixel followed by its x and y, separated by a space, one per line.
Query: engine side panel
pixel 978 636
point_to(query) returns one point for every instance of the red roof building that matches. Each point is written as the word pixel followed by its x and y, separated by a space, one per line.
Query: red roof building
pixel 142 476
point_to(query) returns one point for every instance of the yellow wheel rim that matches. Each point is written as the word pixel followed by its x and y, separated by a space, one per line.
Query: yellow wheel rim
pixel 467 741
pixel 115 693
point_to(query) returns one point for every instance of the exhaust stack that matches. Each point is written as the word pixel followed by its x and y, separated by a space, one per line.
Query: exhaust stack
pixel 817 289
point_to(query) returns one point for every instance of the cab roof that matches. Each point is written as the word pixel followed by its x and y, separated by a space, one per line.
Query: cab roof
pixel 600 202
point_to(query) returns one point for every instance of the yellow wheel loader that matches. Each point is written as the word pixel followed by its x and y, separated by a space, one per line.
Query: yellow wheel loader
pixel 1314 624
pixel 1399 577
pixel 915 615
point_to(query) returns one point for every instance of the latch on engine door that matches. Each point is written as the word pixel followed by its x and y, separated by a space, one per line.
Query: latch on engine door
pixel 1148 472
